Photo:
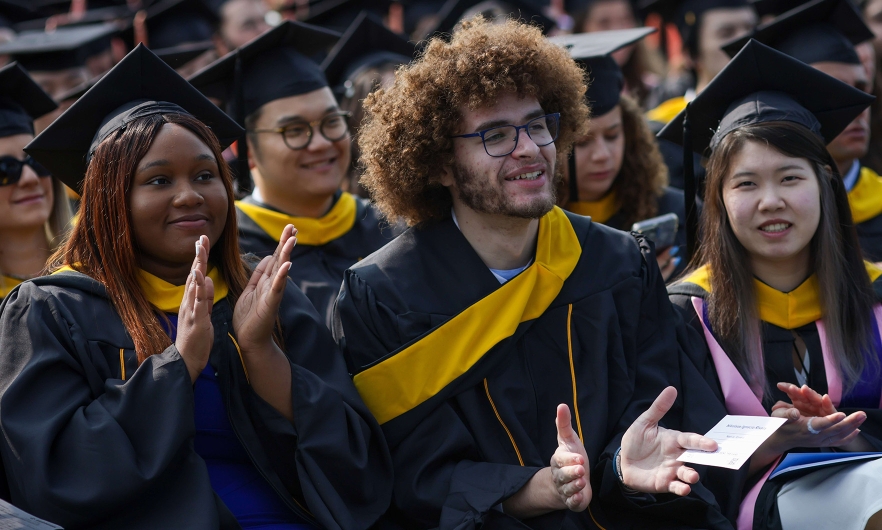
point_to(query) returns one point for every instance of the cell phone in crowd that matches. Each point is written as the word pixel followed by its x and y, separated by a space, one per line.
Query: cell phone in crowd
pixel 661 230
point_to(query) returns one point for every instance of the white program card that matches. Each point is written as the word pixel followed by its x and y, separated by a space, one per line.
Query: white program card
pixel 11 518
pixel 737 438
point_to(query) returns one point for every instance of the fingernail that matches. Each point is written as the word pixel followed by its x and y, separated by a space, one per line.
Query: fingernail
pixel 674 251
pixel 677 261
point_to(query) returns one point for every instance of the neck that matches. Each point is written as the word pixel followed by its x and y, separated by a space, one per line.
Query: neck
pixel 292 202
pixel 502 242
pixel 175 274
pixel 701 80
pixel 23 253
pixel 844 165
pixel 783 275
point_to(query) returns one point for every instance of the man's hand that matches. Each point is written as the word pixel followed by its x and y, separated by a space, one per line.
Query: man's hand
pixel 649 452
pixel 569 464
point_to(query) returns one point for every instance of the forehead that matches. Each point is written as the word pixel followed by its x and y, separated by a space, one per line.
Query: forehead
pixel 13 145
pixel 310 106
pixel 760 158
pixel 850 74
pixel 509 108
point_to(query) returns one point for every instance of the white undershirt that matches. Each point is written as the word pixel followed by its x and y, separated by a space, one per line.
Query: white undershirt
pixel 851 178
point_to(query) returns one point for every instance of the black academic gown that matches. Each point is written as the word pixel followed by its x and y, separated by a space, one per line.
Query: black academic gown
pixel 704 404
pixel 318 270
pixel 92 440
pixel 671 201
pixel 869 230
pixel 476 443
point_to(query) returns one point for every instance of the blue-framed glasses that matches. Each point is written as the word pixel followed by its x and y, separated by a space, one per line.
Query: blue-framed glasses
pixel 503 140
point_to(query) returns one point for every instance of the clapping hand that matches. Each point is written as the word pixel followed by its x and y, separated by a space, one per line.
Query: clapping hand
pixel 195 334
pixel 569 464
pixel 649 452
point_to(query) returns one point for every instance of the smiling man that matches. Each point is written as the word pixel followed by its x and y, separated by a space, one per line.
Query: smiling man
pixel 298 151
pixel 508 348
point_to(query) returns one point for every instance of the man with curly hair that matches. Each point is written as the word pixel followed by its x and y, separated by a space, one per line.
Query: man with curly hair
pixel 497 313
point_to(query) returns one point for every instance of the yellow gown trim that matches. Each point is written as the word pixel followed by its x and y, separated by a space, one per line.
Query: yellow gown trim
pixel 310 231
pixel 7 284
pixel 165 296
pixel 422 369
pixel 599 211
pixel 791 310
pixel 668 110
pixel 865 198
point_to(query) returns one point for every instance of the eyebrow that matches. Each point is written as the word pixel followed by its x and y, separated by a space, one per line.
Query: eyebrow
pixel 284 120
pixel 164 162
pixel 777 170
pixel 496 123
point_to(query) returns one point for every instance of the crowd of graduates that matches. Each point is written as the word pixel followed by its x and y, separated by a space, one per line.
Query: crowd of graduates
pixel 460 264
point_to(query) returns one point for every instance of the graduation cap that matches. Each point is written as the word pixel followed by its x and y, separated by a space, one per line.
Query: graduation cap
pixel 366 43
pixel 686 14
pixel 339 15
pixel 818 31
pixel 759 85
pixel 774 7
pixel 276 65
pixel 455 10
pixel 173 22
pixel 594 52
pixel 140 85
pixel 66 47
pixel 178 56
pixel 21 101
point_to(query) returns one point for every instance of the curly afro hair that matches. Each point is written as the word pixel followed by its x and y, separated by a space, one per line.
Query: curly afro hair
pixel 405 139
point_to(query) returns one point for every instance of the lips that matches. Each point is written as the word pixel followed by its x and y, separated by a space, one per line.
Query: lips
pixel 775 226
pixel 190 221
pixel 29 199
pixel 533 175
pixel 319 163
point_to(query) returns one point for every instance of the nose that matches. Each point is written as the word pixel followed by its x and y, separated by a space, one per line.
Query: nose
pixel 526 147
pixel 186 196
pixel 771 199
pixel 599 151
pixel 318 142
pixel 28 177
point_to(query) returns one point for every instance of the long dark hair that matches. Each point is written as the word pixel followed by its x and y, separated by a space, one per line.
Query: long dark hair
pixel 102 243
pixel 846 295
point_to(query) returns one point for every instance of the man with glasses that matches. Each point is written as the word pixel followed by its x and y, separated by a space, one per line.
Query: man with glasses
pixel 516 355
pixel 298 145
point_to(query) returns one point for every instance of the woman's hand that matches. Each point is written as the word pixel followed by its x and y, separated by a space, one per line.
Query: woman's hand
pixel 195 334
pixel 255 313
pixel 807 401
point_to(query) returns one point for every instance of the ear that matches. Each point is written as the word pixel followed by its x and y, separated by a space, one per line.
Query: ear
pixel 446 176
pixel 252 149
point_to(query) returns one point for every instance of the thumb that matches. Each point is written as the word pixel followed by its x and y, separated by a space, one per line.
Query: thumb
pixel 565 432
pixel 209 294
pixel 659 407
pixel 790 414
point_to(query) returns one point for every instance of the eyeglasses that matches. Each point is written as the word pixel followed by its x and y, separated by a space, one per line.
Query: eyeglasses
pixel 334 127
pixel 503 140
pixel 11 168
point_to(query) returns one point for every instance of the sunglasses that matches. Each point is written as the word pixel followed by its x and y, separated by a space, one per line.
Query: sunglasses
pixel 11 168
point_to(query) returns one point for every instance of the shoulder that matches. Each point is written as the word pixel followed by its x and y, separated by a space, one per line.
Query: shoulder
pixel 369 221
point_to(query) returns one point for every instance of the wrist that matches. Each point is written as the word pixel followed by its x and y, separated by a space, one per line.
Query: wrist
pixel 618 469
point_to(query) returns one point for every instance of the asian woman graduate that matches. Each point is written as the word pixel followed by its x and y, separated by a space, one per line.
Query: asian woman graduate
pixel 778 295
pixel 143 388
pixel 32 221
pixel 621 177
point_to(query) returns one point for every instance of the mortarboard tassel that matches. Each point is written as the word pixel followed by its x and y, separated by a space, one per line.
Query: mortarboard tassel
pixel 243 172
pixel 689 188
pixel 574 183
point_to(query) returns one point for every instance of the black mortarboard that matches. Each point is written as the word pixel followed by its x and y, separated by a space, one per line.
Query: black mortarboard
pixel 593 50
pixel 818 31
pixel 178 56
pixel 454 10
pixel 338 15
pixel 366 43
pixel 275 65
pixel 21 101
pixel 173 22
pixel 774 7
pixel 140 85
pixel 66 47
pixel 759 85
pixel 686 14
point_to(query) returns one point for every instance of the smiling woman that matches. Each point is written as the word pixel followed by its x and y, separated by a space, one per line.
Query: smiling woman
pixel 30 218
pixel 180 392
